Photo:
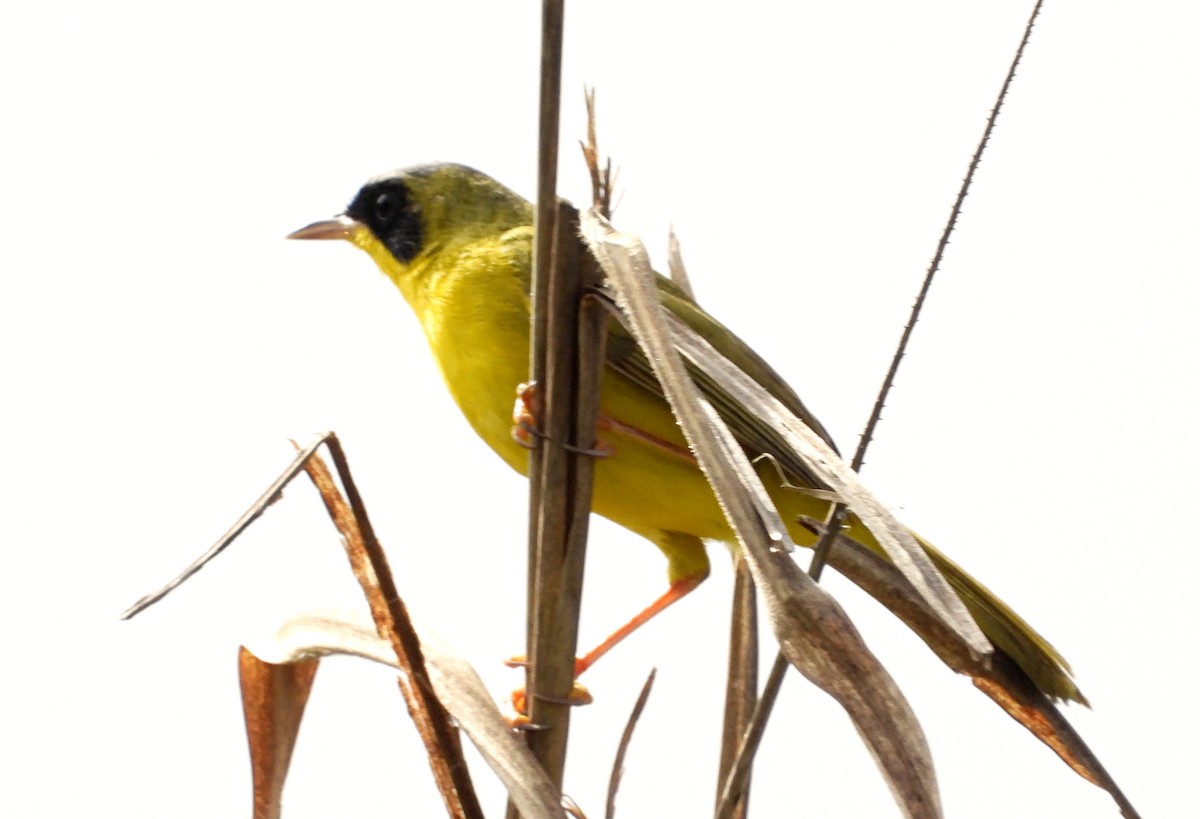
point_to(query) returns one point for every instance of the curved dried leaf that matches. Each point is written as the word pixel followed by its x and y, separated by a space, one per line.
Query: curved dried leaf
pixel 456 684
pixel 273 699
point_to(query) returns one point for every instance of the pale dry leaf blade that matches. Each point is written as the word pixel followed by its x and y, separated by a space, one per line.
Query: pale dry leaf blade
pixel 456 684
pixel 819 640
pixel 903 550
pixel 813 630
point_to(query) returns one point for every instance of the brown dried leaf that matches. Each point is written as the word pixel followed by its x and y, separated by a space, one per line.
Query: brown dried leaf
pixel 273 699
pixel 997 676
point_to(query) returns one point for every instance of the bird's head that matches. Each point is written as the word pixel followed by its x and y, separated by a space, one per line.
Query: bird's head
pixel 405 217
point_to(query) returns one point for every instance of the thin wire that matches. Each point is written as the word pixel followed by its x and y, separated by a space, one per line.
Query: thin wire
pixel 839 513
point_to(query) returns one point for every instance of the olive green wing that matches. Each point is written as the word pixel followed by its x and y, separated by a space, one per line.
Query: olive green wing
pixel 625 357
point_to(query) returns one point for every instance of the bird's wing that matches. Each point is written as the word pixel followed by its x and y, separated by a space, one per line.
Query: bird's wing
pixel 624 356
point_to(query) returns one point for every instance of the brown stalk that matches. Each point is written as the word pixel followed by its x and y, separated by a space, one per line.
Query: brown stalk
pixel 741 683
pixel 570 389
pixel 543 246
pixel 602 180
pixel 273 493
pixel 564 365
pixel 391 618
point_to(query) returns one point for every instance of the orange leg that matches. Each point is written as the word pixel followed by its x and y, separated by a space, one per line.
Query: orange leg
pixel 677 591
pixel 579 695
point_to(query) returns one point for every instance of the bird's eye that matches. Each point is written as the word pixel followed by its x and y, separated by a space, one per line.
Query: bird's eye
pixel 385 207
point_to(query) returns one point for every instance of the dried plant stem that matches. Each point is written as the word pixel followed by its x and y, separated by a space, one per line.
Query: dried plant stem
pixel 602 180
pixel 570 389
pixel 560 475
pixel 264 502
pixel 741 682
pixel 543 243
pixel 739 775
pixel 391 618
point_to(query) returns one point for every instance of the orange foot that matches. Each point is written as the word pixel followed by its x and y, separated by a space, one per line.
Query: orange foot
pixel 579 696
pixel 526 412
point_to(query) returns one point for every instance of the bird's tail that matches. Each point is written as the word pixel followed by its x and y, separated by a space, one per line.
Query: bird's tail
pixel 1007 630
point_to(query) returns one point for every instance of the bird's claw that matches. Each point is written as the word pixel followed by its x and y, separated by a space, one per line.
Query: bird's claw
pixel 579 695
pixel 526 429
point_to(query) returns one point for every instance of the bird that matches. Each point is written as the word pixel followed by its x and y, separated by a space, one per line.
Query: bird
pixel 458 245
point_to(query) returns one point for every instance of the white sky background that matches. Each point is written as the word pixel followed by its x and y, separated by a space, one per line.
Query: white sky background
pixel 162 342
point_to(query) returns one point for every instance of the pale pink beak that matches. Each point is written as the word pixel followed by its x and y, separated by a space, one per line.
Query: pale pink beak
pixel 339 227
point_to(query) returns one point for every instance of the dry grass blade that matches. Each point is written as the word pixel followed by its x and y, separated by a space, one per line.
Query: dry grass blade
pixel 273 699
pixel 813 631
pixel 618 769
pixel 905 553
pixel 457 686
pixel 741 678
pixel 391 620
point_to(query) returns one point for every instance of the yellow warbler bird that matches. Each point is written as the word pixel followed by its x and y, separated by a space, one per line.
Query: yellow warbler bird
pixel 458 245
